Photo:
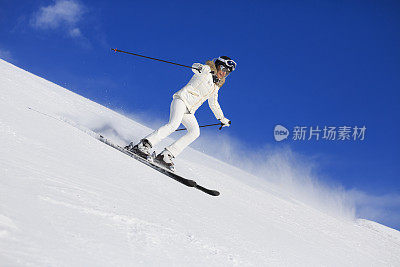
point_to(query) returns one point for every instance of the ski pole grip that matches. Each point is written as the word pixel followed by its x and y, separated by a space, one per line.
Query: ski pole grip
pixel 222 125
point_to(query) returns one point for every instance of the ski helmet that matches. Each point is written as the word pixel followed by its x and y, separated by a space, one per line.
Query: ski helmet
pixel 228 64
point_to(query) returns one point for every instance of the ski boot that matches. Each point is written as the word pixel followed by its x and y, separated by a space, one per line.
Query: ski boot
pixel 165 159
pixel 142 149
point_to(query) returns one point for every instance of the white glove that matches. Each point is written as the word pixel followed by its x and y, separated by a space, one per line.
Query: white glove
pixel 225 122
pixel 200 68
pixel 196 67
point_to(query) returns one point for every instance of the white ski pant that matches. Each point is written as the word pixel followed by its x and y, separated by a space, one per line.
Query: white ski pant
pixel 178 114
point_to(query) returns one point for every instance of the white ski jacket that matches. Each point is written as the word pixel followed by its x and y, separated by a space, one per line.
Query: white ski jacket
pixel 199 89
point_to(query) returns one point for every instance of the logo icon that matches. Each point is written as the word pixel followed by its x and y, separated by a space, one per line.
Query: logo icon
pixel 280 133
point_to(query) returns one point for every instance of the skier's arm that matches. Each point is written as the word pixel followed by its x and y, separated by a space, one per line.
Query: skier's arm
pixel 215 107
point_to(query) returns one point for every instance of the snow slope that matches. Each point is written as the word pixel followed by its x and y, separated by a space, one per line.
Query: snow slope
pixel 67 199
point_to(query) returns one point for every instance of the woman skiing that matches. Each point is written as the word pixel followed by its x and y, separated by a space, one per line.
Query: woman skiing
pixel 204 85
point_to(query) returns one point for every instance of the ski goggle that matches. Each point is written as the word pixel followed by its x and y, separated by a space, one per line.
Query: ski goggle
pixel 228 62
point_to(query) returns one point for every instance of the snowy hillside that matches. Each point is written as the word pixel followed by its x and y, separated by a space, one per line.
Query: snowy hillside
pixel 67 199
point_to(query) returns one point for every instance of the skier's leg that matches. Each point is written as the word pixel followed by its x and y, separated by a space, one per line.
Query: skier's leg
pixel 193 131
pixel 177 110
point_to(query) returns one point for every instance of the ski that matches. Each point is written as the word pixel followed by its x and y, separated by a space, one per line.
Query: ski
pixel 161 169
pixel 176 177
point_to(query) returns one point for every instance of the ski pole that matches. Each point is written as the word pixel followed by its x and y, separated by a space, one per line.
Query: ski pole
pixel 203 126
pixel 117 50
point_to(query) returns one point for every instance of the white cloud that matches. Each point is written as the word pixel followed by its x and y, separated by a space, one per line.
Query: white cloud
pixel 76 32
pixel 63 14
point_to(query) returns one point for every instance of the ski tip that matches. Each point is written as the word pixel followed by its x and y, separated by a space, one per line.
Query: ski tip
pixel 208 191
pixel 214 193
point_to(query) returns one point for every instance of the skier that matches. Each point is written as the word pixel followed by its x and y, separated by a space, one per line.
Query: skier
pixel 204 85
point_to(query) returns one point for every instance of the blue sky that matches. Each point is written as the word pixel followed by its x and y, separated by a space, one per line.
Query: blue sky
pixel 300 63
